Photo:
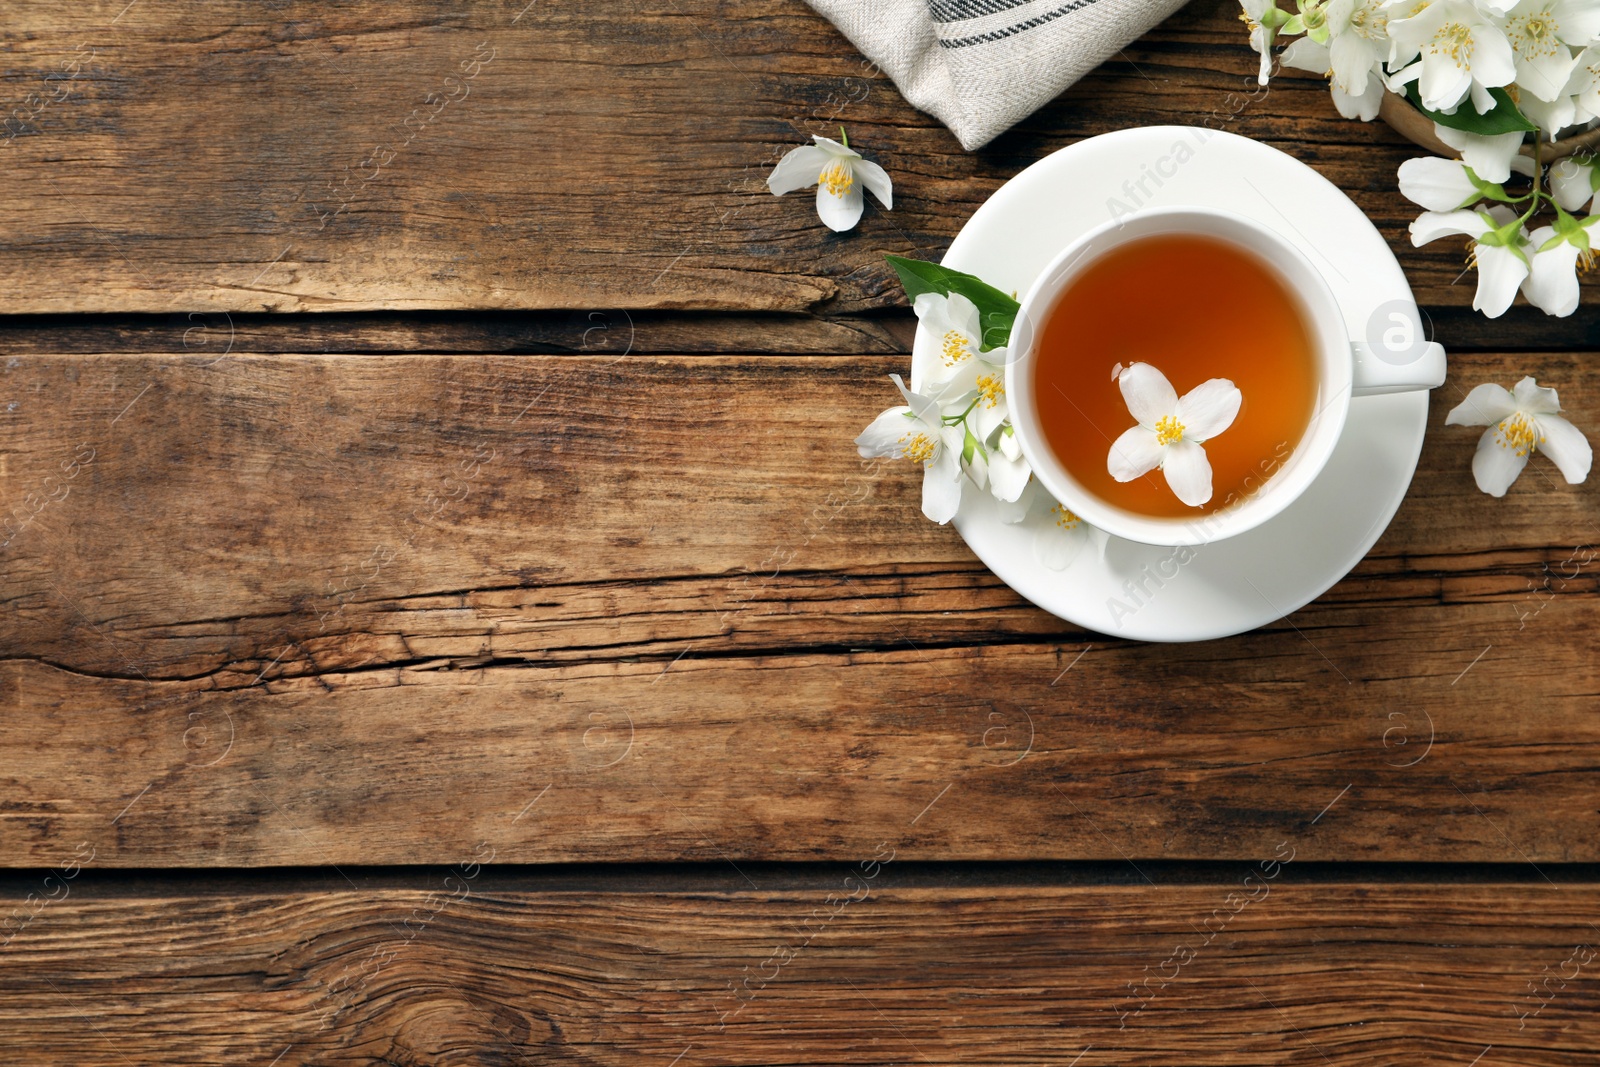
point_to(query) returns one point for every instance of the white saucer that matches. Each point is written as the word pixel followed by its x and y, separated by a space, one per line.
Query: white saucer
pixel 1253 579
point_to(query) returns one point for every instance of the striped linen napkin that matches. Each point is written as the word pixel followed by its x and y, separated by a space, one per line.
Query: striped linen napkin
pixel 981 66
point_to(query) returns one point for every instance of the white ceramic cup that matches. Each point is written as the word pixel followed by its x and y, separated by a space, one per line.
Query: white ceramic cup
pixel 1390 364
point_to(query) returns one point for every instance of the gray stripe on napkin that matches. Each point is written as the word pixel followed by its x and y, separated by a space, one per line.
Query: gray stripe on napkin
pixel 997 35
pixel 956 10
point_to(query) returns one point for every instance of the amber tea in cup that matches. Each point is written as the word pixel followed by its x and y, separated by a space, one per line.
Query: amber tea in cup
pixel 1194 307
pixel 1196 293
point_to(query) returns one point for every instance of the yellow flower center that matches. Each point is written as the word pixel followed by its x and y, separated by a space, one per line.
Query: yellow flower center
pixel 1064 518
pixel 992 388
pixel 1517 433
pixel 1169 431
pixel 1244 17
pixel 918 447
pixel 956 347
pixel 837 178
pixel 1454 39
pixel 1534 35
pixel 1370 23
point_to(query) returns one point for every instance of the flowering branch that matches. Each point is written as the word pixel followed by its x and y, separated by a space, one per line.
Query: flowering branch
pixel 959 426
pixel 1488 74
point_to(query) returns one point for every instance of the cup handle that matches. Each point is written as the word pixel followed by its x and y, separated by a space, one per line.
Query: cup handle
pixel 1379 369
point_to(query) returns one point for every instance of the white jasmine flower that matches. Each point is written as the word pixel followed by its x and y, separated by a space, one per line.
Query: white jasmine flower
pixel 1573 183
pixel 988 415
pixel 1351 58
pixel 1358 42
pixel 1059 536
pixel 1439 184
pixel 1012 512
pixel 1584 85
pixel 1060 542
pixel 917 432
pixel 838 173
pixel 1304 53
pixel 1008 467
pixel 1551 116
pixel 1264 18
pixel 1552 281
pixel 1539 32
pixel 1520 423
pixel 1540 56
pixel 1448 184
pixel 967 380
pixel 1462 53
pixel 1171 430
pixel 1307 54
pixel 1363 105
pixel 1492 157
pixel 954 322
pixel 1499 252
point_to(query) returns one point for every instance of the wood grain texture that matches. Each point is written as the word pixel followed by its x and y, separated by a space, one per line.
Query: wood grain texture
pixel 609 332
pixel 292 156
pixel 1341 975
pixel 620 591
pixel 305 610
pixel 616 332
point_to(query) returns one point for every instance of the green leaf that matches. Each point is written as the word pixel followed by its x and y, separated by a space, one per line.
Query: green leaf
pixel 997 312
pixel 1502 118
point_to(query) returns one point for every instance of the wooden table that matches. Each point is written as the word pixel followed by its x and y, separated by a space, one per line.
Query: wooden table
pixel 445 620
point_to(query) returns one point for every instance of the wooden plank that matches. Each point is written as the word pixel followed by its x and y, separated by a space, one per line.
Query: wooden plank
pixel 1256 970
pixel 310 464
pixel 808 756
pixel 168 157
pixel 613 332
pixel 290 610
